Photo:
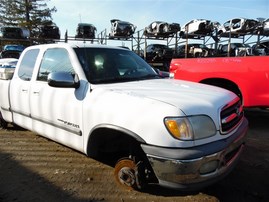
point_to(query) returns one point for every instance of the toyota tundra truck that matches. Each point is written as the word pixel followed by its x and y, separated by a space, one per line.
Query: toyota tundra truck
pixel 107 102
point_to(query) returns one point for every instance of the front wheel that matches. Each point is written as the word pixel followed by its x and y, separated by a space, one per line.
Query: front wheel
pixel 127 174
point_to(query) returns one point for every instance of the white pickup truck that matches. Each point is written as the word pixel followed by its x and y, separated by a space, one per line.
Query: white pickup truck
pixel 107 102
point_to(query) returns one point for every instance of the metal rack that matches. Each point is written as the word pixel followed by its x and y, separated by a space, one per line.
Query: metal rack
pixel 138 42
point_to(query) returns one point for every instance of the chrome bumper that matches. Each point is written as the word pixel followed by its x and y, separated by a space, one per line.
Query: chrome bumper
pixel 207 166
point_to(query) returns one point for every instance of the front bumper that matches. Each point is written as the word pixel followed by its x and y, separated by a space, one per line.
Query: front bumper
pixel 196 167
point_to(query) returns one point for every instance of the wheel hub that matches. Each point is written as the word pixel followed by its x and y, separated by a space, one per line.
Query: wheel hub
pixel 127 176
pixel 126 173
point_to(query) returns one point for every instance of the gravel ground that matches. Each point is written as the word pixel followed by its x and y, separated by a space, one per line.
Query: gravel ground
pixel 33 168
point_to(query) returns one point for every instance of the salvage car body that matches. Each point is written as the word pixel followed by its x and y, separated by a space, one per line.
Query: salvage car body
pixel 155 52
pixel 238 27
pixel 121 29
pixel 86 31
pixel 161 29
pixel 197 27
pixel 264 27
pixel 193 50
pixel 49 32
pixel 14 32
pixel 261 48
pixel 234 49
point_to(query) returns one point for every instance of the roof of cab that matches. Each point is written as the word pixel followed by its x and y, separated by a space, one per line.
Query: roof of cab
pixel 75 45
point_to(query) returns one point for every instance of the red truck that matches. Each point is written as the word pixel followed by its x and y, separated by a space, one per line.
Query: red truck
pixel 248 77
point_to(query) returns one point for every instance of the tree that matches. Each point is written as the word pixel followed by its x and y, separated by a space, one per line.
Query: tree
pixel 7 16
pixel 26 13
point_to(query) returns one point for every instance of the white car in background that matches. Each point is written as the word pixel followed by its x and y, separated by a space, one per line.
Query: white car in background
pixel 197 27
pixel 160 29
pixel 238 27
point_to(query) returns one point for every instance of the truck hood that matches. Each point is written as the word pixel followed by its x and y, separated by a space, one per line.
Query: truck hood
pixel 189 97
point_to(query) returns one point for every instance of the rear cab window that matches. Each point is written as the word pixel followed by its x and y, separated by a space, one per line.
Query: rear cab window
pixel 27 64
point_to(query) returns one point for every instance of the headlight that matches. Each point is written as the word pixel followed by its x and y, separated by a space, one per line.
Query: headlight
pixel 190 128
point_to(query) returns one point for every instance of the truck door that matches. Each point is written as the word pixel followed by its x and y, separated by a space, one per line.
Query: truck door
pixel 20 88
pixel 56 112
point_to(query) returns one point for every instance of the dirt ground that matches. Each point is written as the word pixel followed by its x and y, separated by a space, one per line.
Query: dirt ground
pixel 33 168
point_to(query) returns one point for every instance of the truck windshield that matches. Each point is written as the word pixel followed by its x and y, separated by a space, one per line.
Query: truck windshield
pixel 104 65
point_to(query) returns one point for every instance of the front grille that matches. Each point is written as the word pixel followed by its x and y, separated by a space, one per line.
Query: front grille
pixel 231 116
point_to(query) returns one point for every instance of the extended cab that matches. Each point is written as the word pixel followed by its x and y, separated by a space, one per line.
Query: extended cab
pixel 108 102
pixel 248 77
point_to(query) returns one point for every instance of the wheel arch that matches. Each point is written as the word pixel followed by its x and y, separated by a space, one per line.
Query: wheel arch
pixel 226 84
pixel 107 138
pixel 110 144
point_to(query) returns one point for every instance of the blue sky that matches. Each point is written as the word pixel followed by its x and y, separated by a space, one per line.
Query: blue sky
pixel 142 12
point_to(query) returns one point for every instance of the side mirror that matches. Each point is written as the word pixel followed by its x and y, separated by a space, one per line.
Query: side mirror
pixel 63 80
